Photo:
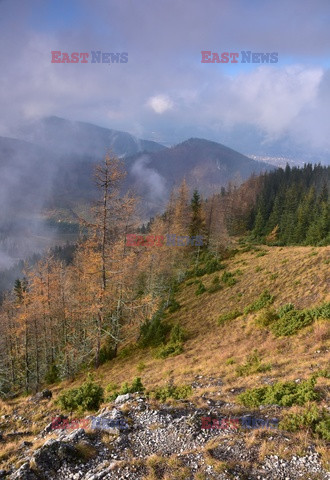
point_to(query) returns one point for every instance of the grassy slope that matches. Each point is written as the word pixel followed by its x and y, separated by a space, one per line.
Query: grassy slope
pixel 301 279
pixel 293 274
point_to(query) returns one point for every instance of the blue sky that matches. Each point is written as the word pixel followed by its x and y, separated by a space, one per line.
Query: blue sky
pixel 164 92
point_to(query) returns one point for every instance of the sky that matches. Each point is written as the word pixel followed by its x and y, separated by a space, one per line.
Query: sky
pixel 164 92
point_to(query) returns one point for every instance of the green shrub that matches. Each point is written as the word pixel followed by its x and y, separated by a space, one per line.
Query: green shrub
pixel 284 394
pixel 253 365
pixel 228 278
pixel 169 350
pixel 173 305
pixel 266 318
pixel 291 322
pixel 171 391
pixel 323 311
pixel 107 351
pixel 153 332
pixel 230 361
pixel 111 387
pixel 140 367
pixel 135 387
pixel 285 309
pixel 215 286
pixel 200 289
pixel 127 351
pixel 53 374
pixel 175 344
pixel 287 321
pixel 213 266
pixel 264 300
pixel 87 397
pixel 323 373
pixel 323 428
pixel 177 334
pixel 310 418
pixel 225 317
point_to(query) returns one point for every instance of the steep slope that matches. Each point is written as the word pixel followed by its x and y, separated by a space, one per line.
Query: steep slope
pixel 211 364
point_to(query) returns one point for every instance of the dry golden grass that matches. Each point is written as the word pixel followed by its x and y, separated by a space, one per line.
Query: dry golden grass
pixel 169 468
pixel 293 274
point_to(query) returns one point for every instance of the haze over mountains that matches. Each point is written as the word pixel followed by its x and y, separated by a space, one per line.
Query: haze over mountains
pixel 50 166
pixel 61 155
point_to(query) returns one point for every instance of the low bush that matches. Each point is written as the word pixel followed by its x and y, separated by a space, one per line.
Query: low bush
pixel 228 278
pixel 107 351
pixel 200 289
pixel 175 344
pixel 135 387
pixel 323 311
pixel 171 391
pixel 87 397
pixel 215 286
pixel 284 394
pixel 230 361
pixel 253 365
pixel 140 367
pixel 266 318
pixel 264 300
pixel 153 332
pixel 290 322
pixel 173 305
pixel 169 350
pixel 213 265
pixel 310 418
pixel 53 374
pixel 225 317
pixel 285 309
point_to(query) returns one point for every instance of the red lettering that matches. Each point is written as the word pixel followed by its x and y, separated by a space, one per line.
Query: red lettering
pixel 159 240
pixel 131 240
pixel 55 58
pixel 233 56
pixel 84 56
pixel 74 57
pixel 215 58
pixel 205 54
pixel 65 58
pixel 225 57
pixel 206 422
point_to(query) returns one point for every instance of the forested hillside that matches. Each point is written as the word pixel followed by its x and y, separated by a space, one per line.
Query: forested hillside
pixel 293 207
pixel 198 303
pixel 63 315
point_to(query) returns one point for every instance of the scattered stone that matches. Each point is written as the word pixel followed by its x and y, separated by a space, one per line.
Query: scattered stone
pixel 122 398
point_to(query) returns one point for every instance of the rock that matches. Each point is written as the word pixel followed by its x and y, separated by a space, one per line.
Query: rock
pixel 46 393
pixel 123 398
pixel 53 455
pixel 25 443
pixel 24 473
pixel 55 423
pixel 17 434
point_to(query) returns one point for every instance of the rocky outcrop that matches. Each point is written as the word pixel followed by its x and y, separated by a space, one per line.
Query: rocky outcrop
pixel 119 454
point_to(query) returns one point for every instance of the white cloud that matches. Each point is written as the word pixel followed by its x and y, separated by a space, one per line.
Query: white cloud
pixel 160 103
